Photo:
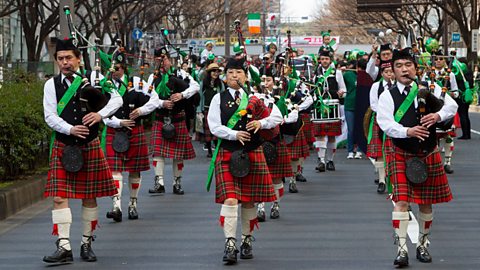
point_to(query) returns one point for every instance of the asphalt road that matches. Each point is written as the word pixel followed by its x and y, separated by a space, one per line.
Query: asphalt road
pixel 337 221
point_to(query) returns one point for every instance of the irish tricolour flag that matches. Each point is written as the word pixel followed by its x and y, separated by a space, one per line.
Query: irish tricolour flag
pixel 254 23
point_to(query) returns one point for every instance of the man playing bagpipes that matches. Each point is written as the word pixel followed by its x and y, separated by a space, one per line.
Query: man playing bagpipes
pixel 331 87
pixel 375 135
pixel 241 172
pixel 275 149
pixel 408 114
pixel 170 137
pixel 442 75
pixel 124 137
pixel 385 55
pixel 78 169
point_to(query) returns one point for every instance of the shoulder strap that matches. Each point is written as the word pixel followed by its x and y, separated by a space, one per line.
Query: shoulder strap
pixel 406 103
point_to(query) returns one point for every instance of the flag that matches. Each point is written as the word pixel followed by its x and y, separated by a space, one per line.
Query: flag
pixel 254 23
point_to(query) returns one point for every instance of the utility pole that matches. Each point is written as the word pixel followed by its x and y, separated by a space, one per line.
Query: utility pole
pixel 445 31
pixel 264 25
pixel 227 27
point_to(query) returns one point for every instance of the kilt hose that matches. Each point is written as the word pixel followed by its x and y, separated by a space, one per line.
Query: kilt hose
pixel 92 181
pixel 374 148
pixel 434 190
pixel 327 129
pixel 281 167
pixel 135 159
pixel 299 147
pixel 308 127
pixel 257 186
pixel 206 136
pixel 179 147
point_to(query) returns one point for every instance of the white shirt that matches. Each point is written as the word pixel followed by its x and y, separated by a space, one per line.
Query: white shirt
pixel 221 131
pixel 50 102
pixel 386 107
pixel 372 69
pixel 204 56
pixel 374 94
pixel 147 108
pixel 438 73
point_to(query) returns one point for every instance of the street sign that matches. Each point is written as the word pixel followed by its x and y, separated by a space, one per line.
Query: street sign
pixel 455 37
pixel 475 40
pixel 137 34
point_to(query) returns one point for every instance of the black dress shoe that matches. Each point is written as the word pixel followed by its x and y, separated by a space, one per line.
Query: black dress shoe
pixel 320 167
pixel 116 214
pixel 464 138
pixel 448 169
pixel 177 189
pixel 209 155
pixel 132 212
pixel 261 214
pixel 376 181
pixel 381 188
pixel 246 248
pixel 402 259
pixel 61 255
pixel 300 178
pixel 423 255
pixel 275 211
pixel 330 166
pixel 292 187
pixel 157 187
pixel 230 253
pixel 86 252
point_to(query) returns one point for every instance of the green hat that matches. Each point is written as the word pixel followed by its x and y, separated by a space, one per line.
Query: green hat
pixel 325 33
pixel 237 49
pixel 209 42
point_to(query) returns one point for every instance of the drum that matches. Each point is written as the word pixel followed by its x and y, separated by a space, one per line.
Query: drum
pixel 329 113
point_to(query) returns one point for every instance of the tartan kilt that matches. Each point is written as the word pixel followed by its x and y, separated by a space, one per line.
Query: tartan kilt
pixel 179 148
pixel 434 190
pixel 327 129
pixel 92 181
pixel 206 136
pixel 257 186
pixel 308 127
pixel 374 149
pixel 136 157
pixel 299 147
pixel 281 167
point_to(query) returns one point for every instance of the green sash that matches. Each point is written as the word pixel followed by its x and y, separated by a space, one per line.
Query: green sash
pixel 230 124
pixel 162 88
pixel 398 116
pixel 72 89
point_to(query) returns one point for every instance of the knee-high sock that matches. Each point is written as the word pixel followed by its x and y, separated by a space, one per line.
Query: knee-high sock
pixel 158 166
pixel 321 145
pixel 249 221
pixel 424 224
pixel 177 170
pixel 295 165
pixel 118 179
pixel 229 219
pixel 90 220
pixel 331 149
pixel 400 225
pixel 278 191
pixel 449 147
pixel 381 170
pixel 134 181
pixel 62 219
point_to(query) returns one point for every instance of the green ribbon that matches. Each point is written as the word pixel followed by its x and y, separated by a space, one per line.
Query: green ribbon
pixel 370 128
pixel 230 124
pixel 72 89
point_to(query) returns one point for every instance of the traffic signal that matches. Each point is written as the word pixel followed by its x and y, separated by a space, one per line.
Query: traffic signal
pixel 166 32
pixel 251 41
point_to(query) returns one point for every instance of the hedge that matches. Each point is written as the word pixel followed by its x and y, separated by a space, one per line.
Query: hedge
pixel 23 131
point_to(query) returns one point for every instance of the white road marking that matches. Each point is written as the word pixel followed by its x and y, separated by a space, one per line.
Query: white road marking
pixel 475 131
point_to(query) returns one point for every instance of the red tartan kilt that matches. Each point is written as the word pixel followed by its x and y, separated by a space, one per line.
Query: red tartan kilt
pixel 206 136
pixel 434 190
pixel 92 181
pixel 308 127
pixel 281 167
pixel 257 186
pixel 374 148
pixel 135 159
pixel 327 129
pixel 179 147
pixel 299 147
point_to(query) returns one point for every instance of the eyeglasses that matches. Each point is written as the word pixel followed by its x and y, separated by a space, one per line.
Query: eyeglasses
pixel 117 68
pixel 216 70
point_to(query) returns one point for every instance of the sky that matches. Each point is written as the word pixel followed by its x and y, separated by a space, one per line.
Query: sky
pixel 300 8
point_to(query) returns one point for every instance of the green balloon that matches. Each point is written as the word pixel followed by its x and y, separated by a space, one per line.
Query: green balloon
pixel 432 45
pixel 424 59
pixel 353 54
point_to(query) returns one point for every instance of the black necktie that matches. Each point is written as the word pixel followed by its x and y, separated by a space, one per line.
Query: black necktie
pixel 406 90
pixel 389 85
pixel 237 97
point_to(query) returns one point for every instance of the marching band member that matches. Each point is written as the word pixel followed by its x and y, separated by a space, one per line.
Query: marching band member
pixel 78 168
pixel 170 138
pixel 126 144
pixel 241 180
pixel 413 159
pixel 385 55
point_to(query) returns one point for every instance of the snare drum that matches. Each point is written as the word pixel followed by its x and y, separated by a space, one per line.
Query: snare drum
pixel 330 112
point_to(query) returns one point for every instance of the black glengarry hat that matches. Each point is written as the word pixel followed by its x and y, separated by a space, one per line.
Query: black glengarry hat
pixel 233 63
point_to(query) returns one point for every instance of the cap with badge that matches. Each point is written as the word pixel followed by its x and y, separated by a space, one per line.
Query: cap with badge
pixel 233 63
pixel 65 45
pixel 404 54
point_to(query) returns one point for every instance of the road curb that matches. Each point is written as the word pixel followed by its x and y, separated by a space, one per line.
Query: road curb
pixel 20 195
pixel 474 109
